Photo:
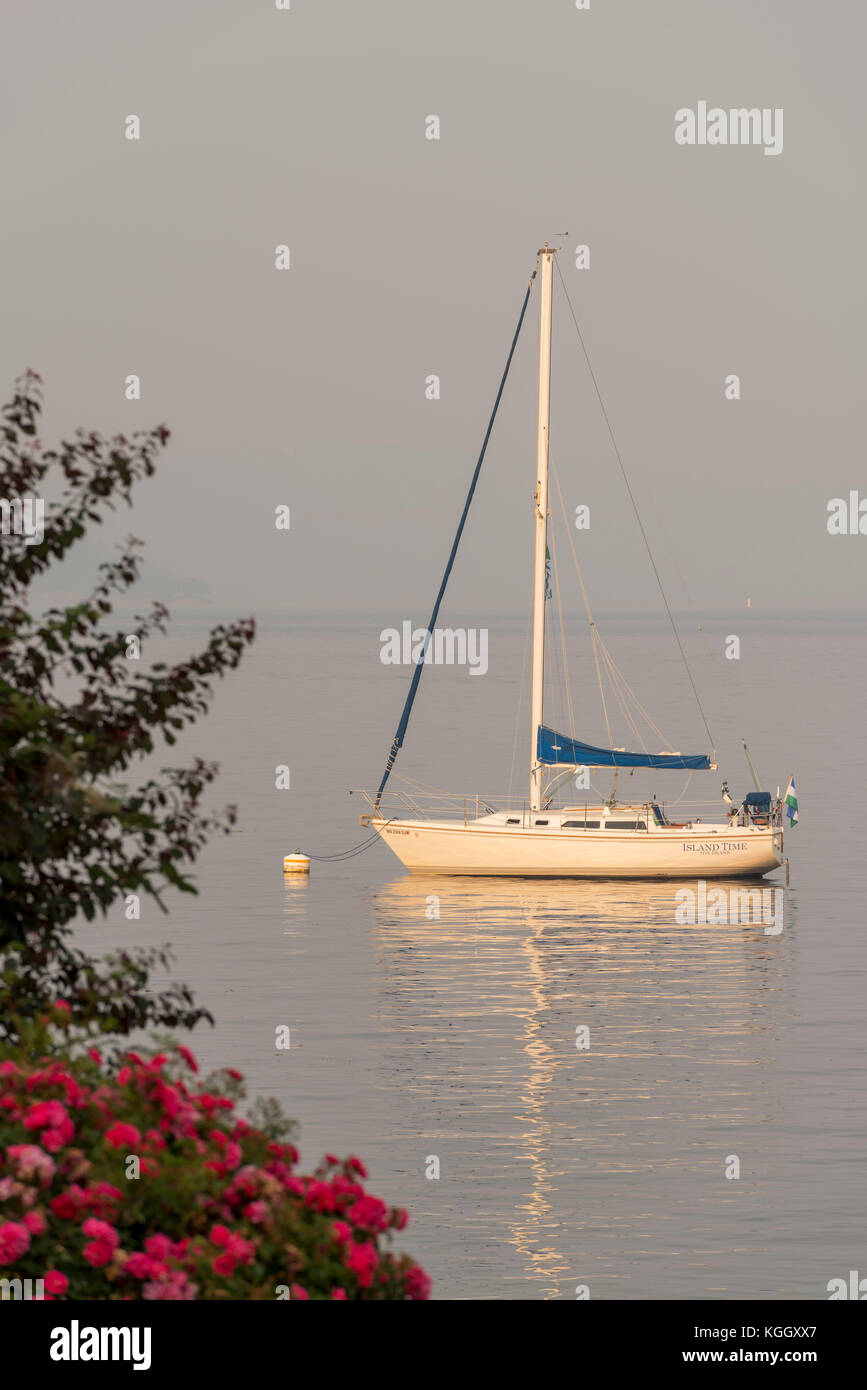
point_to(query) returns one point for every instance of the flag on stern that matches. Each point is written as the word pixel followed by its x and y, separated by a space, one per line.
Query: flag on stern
pixel 790 801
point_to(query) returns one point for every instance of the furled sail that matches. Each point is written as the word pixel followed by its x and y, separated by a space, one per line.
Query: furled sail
pixel 552 748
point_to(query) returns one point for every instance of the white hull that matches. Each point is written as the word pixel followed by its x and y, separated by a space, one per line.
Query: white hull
pixel 488 846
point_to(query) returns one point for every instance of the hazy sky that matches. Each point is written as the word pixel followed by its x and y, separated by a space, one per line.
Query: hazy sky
pixel 410 257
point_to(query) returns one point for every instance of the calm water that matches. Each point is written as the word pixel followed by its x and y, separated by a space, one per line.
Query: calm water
pixel 456 1037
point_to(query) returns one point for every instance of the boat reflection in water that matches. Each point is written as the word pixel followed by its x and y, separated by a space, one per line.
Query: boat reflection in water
pixel 597 1157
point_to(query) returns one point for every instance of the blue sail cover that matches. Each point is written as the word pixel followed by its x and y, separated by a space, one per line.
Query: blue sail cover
pixel 555 748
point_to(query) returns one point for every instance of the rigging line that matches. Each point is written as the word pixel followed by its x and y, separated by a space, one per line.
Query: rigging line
pixel 683 584
pixel 593 629
pixel 595 645
pixel 635 509
pixel 678 799
pixel 584 593
pixel 347 853
pixel 713 661
pixel 620 694
pixel 520 701
pixel 566 680
pixel 554 674
pixel 708 649
pixel 397 741
pixel 614 672
pixel 632 695
pixel 418 785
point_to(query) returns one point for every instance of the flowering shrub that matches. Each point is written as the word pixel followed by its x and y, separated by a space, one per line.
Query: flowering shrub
pixel 217 1211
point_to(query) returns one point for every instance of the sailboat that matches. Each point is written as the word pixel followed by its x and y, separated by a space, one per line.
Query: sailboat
pixel 608 839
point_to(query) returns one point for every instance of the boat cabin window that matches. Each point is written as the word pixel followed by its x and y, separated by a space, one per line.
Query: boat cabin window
pixel 514 821
pixel 625 825
pixel 541 822
pixel 580 825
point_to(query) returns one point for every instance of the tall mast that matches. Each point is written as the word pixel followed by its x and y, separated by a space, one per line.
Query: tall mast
pixel 540 507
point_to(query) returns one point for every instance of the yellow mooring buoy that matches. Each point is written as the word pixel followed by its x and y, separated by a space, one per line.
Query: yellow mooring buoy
pixel 296 863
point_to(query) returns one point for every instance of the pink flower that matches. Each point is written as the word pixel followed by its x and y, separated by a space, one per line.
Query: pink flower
pixel 363 1260
pixel 240 1249
pixel 246 1181
pixel 298 1291
pixel 159 1246
pixel 55 1282
pixel 357 1166
pixel 14 1242
pixel 54 1139
pixel 102 1231
pixel 256 1212
pixel 30 1161
pixel 338 1292
pixel 342 1232
pixel 176 1286
pixel 122 1136
pixel 220 1235
pixel 67 1205
pixel 188 1057
pixel 345 1186
pixel 140 1266
pixel 320 1195
pixel 102 1196
pixel 52 1118
pixel 418 1285
pixel 224 1264
pixel 369 1213
pixel 44 1113
pixel 35 1223
pixel 101 1248
pixel 280 1170
pixel 98 1253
